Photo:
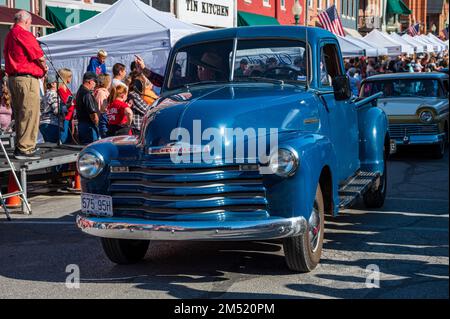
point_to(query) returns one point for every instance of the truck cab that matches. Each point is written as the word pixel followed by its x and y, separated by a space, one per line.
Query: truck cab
pixel 256 136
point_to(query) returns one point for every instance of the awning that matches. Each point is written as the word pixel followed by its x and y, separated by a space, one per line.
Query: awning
pixel 7 17
pixel 397 7
pixel 59 17
pixel 247 19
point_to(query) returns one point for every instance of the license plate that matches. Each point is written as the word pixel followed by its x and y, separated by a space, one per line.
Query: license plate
pixel 100 205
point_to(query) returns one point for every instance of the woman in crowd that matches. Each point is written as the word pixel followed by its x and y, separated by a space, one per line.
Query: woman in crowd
pixel 139 106
pixel 49 122
pixel 67 98
pixel 101 95
pixel 5 104
pixel 120 115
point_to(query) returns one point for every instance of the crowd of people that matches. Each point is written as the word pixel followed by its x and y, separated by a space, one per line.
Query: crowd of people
pixel 358 69
pixel 34 99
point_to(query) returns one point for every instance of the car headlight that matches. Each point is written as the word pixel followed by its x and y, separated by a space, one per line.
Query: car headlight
pixel 89 164
pixel 426 116
pixel 284 163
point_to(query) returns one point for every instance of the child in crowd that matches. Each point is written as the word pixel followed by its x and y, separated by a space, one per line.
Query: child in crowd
pixel 101 95
pixel 49 122
pixel 139 106
pixel 119 112
pixel 149 95
pixel 67 98
pixel 5 104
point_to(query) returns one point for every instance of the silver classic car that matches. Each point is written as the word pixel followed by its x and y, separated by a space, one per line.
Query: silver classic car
pixel 416 105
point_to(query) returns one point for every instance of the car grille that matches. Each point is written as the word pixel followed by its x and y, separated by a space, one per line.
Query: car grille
pixel 167 192
pixel 398 131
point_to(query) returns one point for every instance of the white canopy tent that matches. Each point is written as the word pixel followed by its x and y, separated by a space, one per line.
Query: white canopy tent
pixel 127 28
pixel 377 39
pixel 406 47
pixel 371 51
pixel 436 47
pixel 419 46
pixel 350 49
pixel 397 38
pixel 436 40
pixel 428 46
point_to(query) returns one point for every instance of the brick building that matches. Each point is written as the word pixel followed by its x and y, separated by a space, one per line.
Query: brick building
pixel 437 16
pixel 281 10
pixel 418 14
pixel 370 15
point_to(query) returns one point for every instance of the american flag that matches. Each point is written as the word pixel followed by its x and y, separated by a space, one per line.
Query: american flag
pixel 413 30
pixel 330 20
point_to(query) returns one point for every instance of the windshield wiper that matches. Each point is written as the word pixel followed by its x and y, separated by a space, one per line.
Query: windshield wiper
pixel 263 79
pixel 188 85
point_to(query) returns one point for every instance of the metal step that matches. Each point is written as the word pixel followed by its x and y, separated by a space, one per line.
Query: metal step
pixel 355 187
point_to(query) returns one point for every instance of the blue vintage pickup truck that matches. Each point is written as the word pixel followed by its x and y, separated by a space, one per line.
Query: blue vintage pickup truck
pixel 256 136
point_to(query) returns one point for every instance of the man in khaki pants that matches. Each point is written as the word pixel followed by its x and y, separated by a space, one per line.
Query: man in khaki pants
pixel 24 64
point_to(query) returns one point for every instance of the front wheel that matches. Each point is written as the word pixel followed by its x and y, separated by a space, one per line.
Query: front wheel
pixel 125 251
pixel 303 252
pixel 374 197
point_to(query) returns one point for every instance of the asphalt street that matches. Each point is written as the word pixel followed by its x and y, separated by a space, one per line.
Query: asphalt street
pixel 407 241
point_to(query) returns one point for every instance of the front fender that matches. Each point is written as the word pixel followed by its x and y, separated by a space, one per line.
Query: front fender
pixel 373 130
pixel 113 148
pixel 294 196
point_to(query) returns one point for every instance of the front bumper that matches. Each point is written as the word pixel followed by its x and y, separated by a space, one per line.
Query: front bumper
pixel 421 139
pixel 142 229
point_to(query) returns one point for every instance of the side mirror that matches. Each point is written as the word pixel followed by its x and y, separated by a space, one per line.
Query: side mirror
pixel 341 88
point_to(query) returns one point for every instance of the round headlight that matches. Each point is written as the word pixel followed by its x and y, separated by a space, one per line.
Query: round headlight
pixel 284 163
pixel 426 116
pixel 90 165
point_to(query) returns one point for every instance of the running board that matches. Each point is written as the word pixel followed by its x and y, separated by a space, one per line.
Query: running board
pixel 355 187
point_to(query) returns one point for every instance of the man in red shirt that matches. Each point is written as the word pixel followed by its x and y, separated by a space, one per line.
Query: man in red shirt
pixel 24 64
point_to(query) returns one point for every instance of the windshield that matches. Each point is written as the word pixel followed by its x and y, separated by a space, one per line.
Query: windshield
pixel 274 61
pixel 403 88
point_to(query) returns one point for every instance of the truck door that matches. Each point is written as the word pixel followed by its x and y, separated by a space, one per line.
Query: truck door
pixel 342 115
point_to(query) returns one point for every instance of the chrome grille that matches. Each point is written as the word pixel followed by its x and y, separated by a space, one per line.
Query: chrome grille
pixel 398 131
pixel 173 191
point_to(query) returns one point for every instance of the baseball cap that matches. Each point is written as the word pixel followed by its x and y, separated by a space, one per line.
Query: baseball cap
pixel 51 78
pixel 89 76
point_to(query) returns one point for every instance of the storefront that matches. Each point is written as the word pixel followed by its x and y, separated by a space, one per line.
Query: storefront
pixel 208 13
pixel 66 13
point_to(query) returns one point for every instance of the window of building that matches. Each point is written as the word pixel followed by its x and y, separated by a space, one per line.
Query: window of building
pixel 344 8
pixel 283 4
pixel 310 3
pixel 266 3
pixel 23 4
pixel 3 3
pixel 350 8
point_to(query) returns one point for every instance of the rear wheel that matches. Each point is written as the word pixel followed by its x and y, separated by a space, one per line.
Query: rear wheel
pixel 125 251
pixel 303 252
